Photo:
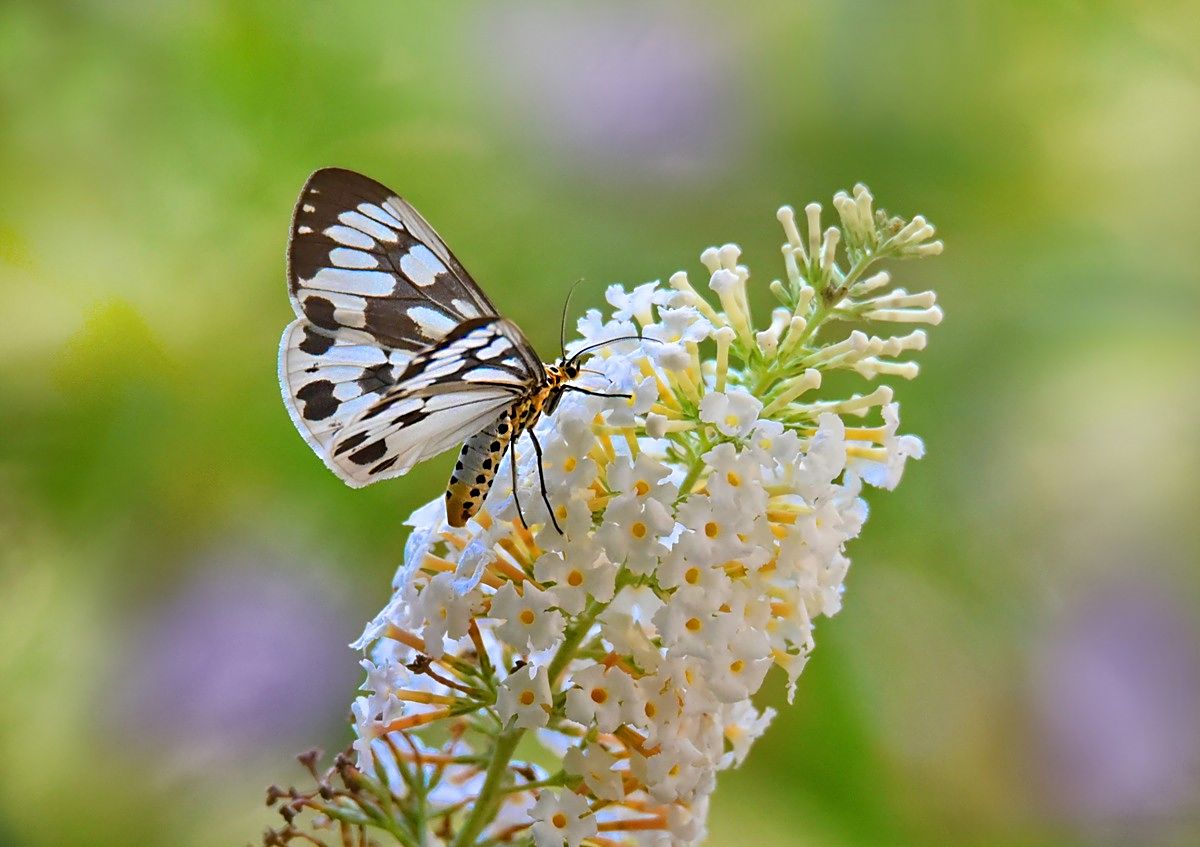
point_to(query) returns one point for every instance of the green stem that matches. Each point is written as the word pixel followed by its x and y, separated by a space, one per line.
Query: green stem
pixel 696 465
pixel 693 474
pixel 776 374
pixel 506 742
pixel 555 781
pixel 490 793
pixel 574 636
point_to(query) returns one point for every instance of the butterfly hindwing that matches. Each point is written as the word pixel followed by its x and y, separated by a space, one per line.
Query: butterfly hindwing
pixel 448 393
pixel 329 378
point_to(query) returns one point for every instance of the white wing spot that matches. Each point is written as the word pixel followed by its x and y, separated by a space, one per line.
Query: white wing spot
pixel 412 404
pixel 346 390
pixel 350 237
pixel 304 230
pixel 466 308
pixel 362 283
pixel 354 318
pixel 437 370
pixel 371 227
pixel 346 257
pixel 495 348
pixel 433 323
pixel 421 266
pixel 491 375
pixel 309 207
pixel 382 215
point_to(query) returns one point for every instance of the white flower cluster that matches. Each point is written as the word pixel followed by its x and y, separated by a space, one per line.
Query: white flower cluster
pixel 704 523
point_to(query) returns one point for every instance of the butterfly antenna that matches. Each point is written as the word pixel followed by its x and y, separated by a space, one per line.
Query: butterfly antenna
pixel 591 347
pixel 562 326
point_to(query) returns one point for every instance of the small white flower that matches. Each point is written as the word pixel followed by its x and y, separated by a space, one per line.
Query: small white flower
pixel 444 612
pixel 641 478
pixel 885 471
pixel 595 765
pixel 738 665
pixel 744 725
pixel 525 695
pixel 732 412
pixel 825 457
pixel 714 529
pixel 624 411
pixel 366 731
pixel 529 620
pixel 579 571
pixel 637 304
pixel 633 530
pixel 566 465
pixel 689 624
pixel 597 696
pixel 561 817
pixel 676 771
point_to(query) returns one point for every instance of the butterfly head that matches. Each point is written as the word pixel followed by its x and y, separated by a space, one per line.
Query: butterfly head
pixel 558 379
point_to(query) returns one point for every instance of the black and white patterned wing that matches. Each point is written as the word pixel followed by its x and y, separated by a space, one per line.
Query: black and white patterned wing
pixel 371 284
pixel 448 393
pixel 362 258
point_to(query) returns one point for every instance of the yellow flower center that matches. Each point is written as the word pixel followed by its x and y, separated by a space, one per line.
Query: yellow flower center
pixel 526 698
pixel 638 530
pixel 527 617
pixel 641 487
pixel 574 579
pixel 711 529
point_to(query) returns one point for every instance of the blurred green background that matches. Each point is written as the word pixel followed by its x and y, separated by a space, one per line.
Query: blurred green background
pixel 1018 662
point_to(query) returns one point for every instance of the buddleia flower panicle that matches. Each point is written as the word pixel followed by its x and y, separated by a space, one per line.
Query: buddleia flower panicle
pixel 586 686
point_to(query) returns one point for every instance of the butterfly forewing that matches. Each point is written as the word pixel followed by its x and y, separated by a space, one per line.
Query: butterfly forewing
pixel 362 258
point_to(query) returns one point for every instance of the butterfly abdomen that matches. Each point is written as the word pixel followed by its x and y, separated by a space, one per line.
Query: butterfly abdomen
pixel 476 468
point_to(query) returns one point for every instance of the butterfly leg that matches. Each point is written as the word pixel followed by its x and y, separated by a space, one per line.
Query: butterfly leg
pixel 512 456
pixel 537 448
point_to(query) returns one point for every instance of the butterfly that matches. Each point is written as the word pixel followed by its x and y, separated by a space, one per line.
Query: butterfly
pixel 397 355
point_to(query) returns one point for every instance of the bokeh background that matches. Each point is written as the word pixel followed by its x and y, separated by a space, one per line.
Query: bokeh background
pixel 1018 662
